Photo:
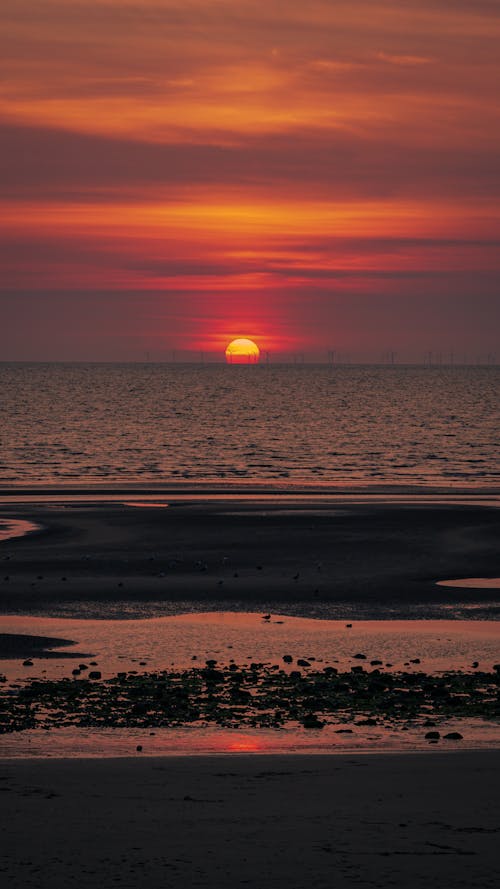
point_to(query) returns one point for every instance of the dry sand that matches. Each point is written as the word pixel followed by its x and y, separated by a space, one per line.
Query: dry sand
pixel 228 552
pixel 324 822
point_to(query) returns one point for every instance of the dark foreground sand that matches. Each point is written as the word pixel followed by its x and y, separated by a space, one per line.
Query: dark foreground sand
pixel 324 822
pixel 232 552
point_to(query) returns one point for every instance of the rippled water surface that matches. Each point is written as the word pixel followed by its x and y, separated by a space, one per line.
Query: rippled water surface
pixel 119 424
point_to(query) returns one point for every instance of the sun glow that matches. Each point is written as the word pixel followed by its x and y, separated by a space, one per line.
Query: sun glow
pixel 242 351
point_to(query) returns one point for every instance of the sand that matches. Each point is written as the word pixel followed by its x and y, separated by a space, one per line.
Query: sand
pixel 324 822
pixel 409 820
pixel 13 645
pixel 371 552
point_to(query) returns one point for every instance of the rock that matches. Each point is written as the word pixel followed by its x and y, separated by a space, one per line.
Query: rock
pixel 310 720
pixel 359 657
pixel 139 708
pixel 27 663
pixel 475 665
pixel 76 672
pixel 496 668
pixel 211 675
pixel 416 660
pixel 303 663
pixel 266 617
pixel 288 659
pixel 330 671
pixel 376 663
pixel 432 736
pixel 348 626
pixel 368 721
pixel 343 731
pixel 453 736
pixel 295 674
pixel 139 748
pixel 82 667
pixel 95 674
pixel 357 670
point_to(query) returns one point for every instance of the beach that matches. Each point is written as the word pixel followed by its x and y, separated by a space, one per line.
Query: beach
pixel 257 803
pixel 427 820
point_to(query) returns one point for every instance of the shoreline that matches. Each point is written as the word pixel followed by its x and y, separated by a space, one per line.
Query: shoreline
pixel 239 487
pixel 142 758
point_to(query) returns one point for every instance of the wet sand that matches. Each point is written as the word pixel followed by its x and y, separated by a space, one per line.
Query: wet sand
pixel 295 821
pixel 409 820
pixel 247 552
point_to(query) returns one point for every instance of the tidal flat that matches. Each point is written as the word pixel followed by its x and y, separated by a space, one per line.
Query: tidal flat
pixel 142 593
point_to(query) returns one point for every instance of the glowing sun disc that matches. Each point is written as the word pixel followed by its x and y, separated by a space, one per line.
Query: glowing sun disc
pixel 242 351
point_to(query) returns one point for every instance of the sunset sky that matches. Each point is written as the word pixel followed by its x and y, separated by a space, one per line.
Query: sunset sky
pixel 311 175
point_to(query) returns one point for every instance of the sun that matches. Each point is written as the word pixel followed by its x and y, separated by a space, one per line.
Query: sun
pixel 242 351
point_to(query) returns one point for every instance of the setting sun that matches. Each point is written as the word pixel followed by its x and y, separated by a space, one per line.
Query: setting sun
pixel 242 351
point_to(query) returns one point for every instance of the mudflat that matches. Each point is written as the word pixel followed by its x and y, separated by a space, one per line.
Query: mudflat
pixel 375 552
pixel 409 820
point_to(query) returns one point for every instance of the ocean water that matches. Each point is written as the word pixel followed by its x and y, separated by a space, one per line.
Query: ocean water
pixel 123 424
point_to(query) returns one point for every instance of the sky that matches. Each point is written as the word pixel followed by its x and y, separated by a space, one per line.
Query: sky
pixel 177 173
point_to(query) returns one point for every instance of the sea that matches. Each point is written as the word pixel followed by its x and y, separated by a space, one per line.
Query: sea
pixel 281 426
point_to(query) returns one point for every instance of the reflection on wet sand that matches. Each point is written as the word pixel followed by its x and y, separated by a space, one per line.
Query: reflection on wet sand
pixel 184 681
pixel 473 583
pixel 12 528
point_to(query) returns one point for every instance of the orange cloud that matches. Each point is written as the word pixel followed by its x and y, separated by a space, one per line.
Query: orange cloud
pixel 225 150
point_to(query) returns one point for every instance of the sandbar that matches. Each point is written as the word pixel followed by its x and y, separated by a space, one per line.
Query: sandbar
pixel 247 552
